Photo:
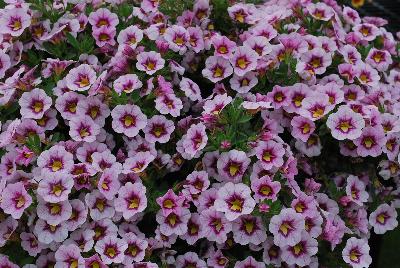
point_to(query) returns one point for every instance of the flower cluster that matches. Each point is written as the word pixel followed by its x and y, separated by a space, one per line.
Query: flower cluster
pixel 196 134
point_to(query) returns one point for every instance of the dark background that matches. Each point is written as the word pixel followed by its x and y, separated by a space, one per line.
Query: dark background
pixel 387 9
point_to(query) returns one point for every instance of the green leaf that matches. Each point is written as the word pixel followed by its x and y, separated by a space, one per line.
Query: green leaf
pixel 72 40
pixel 33 143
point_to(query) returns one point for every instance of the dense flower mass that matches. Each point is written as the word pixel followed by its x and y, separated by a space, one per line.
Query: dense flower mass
pixel 196 134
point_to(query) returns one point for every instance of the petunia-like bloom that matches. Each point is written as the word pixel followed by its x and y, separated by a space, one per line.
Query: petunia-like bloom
pixel 223 47
pixel 95 108
pixel 191 89
pixel 173 223
pixel 109 183
pixel 30 244
pixel 78 215
pixel 130 36
pixel 379 59
pixel 99 207
pixel 104 36
pixel 302 128
pixel 137 163
pixel 287 227
pixel 315 106
pixel 383 219
pixel 243 84
pixel 345 124
pixel 169 104
pixel 320 11
pixel 370 142
pixel 195 139
pixel 103 17
pixel 355 190
pixel 189 259
pixel 300 253
pixel 69 256
pixel 149 62
pixel 234 200
pixel 217 68
pixel 67 104
pixel 159 129
pixel 314 62
pixel 55 159
pixel 177 37
pixel 244 60
pixel 279 96
pixel 367 75
pixel 249 262
pixel 270 153
pixel 215 105
pixel 232 165
pixel 83 128
pixel 170 202
pixel 217 260
pixel 366 31
pixel 80 78
pixel 128 119
pixel 197 182
pixel 55 187
pixel 265 188
pixel 15 199
pixel 111 249
pixel 14 21
pixel 215 225
pixel 54 213
pixel 248 229
pixel 127 83
pixel 131 199
pixel 356 253
pixel 34 103
pixel 136 248
pixel 195 229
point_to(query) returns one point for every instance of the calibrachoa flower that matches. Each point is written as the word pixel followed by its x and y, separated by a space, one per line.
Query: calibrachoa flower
pixel 80 78
pixel 149 62
pixel 259 134
pixel 128 119
pixel 383 219
pixel 34 103
pixel 345 124
pixel 131 199
pixel 15 199
pixel 287 227
pixel 234 200
pixel 356 253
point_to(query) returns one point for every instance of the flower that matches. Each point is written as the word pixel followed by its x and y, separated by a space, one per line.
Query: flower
pixel 248 229
pixel 136 248
pixel 223 47
pixel 370 142
pixel 265 188
pixel 55 187
pixel 244 60
pixel 34 103
pixel 355 190
pixel 249 262
pixel 234 200
pixel 383 219
pixel 177 37
pixel 131 36
pixel 170 203
pixel 215 225
pixel 111 249
pixel 195 139
pixel 300 254
pixel 103 17
pixel 232 165
pixel 69 255
pixel 80 78
pixel 270 154
pixel 345 124
pixel 302 128
pixel 287 227
pixel 83 128
pixel 189 259
pixel 15 199
pixel 216 69
pixel 173 223
pixel 15 21
pixel 356 253
pixel 127 83
pixel 159 129
pixel 149 62
pixel 128 119
pixel 191 89
pixel 131 199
